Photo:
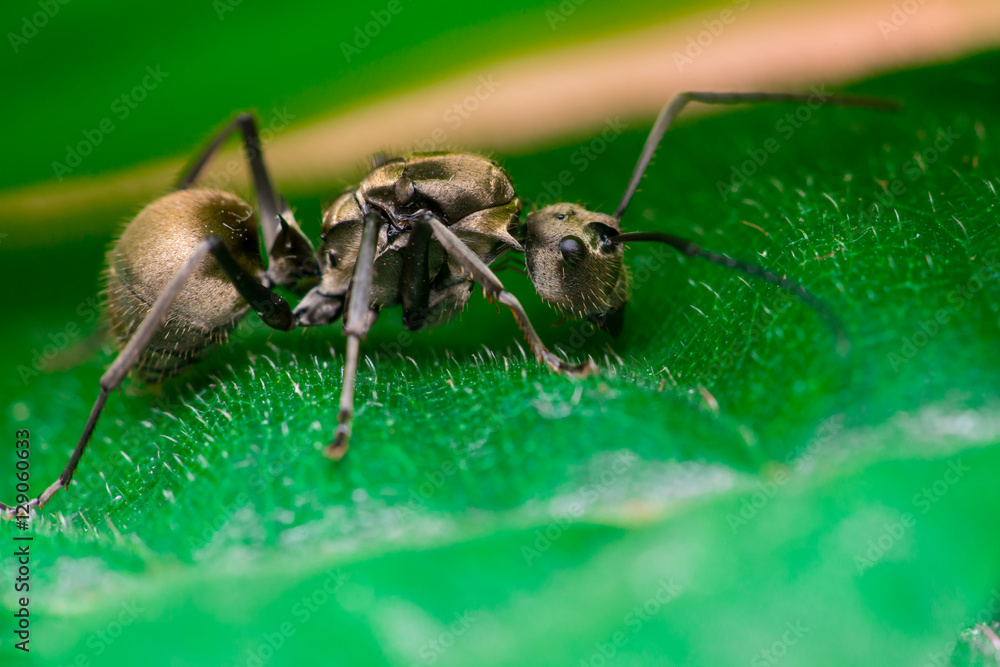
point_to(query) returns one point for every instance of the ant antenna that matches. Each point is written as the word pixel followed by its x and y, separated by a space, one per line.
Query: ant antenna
pixel 692 249
pixel 667 115
pixel 674 107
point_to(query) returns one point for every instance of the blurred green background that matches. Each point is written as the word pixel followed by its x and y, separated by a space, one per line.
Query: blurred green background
pixel 223 56
pixel 728 490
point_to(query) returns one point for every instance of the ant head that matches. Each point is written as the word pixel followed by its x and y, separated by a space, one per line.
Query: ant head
pixel 574 264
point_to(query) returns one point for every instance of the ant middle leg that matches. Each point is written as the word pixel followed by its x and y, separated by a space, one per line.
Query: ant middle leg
pixel 289 252
pixel 415 279
pixel 357 321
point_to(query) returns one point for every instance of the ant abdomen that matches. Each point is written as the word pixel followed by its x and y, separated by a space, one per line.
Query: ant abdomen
pixel 150 251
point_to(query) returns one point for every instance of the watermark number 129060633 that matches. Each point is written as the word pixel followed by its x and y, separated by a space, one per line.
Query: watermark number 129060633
pixel 22 543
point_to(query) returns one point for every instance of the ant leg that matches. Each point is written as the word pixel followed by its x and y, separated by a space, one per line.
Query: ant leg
pixel 674 107
pixel 273 310
pixel 290 254
pixel 358 319
pixel 494 289
pixel 415 281
pixel 267 197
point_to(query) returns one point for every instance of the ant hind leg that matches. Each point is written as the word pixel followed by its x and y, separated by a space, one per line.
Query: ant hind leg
pixel 273 310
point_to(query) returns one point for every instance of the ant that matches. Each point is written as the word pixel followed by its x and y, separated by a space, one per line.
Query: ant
pixel 417 232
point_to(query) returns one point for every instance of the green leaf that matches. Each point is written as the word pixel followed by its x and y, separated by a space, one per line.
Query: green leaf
pixel 728 489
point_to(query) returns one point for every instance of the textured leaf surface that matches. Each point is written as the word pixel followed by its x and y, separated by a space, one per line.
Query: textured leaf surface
pixel 727 490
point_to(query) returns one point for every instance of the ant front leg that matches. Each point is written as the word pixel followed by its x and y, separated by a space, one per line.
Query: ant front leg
pixel 494 289
pixel 273 310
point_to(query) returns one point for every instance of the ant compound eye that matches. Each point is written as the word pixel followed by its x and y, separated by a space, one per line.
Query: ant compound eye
pixel 605 233
pixel 572 249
